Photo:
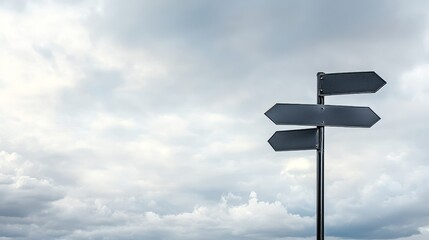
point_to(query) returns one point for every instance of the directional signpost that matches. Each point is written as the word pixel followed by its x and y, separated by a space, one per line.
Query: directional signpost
pixel 321 115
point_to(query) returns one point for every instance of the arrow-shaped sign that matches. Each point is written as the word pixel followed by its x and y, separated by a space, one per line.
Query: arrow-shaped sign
pixel 303 139
pixel 351 82
pixel 322 115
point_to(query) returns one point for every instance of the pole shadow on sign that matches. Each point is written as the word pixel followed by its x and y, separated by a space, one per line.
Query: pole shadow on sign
pixel 321 115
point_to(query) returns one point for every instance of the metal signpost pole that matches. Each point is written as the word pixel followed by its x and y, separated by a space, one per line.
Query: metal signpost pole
pixel 320 164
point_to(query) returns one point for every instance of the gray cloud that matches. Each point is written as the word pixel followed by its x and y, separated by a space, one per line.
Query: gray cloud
pixel 23 196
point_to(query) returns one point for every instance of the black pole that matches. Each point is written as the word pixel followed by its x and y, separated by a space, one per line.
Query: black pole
pixel 320 165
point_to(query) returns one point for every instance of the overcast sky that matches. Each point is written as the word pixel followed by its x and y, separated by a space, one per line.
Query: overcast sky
pixel 145 119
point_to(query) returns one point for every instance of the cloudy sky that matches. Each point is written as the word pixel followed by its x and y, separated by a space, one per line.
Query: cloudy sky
pixel 145 119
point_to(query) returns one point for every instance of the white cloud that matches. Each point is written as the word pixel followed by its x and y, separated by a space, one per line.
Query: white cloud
pixel 251 220
pixel 414 84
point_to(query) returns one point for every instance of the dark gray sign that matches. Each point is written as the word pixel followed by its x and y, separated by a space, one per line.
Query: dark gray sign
pixel 322 115
pixel 302 139
pixel 349 83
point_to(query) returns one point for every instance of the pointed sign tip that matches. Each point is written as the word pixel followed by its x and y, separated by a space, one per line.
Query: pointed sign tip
pixel 376 117
pixel 270 112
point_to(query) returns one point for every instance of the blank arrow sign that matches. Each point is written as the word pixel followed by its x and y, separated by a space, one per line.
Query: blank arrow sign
pixel 303 139
pixel 349 83
pixel 322 115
